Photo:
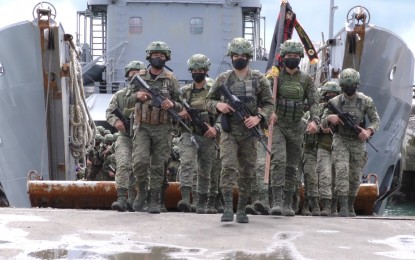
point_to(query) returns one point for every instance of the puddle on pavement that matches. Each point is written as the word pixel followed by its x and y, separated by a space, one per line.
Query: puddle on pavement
pixel 155 253
pixel 4 242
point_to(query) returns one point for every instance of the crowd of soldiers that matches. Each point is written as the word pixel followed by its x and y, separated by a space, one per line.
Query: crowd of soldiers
pixel 208 136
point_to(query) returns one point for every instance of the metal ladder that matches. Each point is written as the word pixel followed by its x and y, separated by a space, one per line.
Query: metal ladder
pixel 98 33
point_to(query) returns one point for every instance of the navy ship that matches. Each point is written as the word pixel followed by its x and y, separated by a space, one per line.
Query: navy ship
pixel 45 109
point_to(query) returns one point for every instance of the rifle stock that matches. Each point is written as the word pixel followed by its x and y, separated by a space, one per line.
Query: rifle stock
pixel 242 112
pixel 347 120
pixel 157 99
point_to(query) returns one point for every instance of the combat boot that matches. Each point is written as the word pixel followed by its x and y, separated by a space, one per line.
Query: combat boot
pixel 228 209
pixel 162 206
pixel 334 207
pixel 277 201
pixel 350 203
pixel 250 209
pixel 305 211
pixel 326 203
pixel 288 199
pixel 344 211
pixel 210 206
pixel 121 203
pixel 184 203
pixel 154 205
pixel 140 199
pixel 218 203
pixel 262 205
pixel 315 207
pixel 132 193
pixel 201 203
pixel 194 200
pixel 241 216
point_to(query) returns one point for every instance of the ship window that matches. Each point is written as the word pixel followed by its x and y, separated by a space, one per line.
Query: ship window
pixel 196 25
pixel 136 25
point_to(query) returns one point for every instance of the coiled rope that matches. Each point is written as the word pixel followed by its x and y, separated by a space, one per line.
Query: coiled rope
pixel 82 127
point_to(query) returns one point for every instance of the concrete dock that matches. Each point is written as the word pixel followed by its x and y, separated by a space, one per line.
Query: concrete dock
pixel 39 233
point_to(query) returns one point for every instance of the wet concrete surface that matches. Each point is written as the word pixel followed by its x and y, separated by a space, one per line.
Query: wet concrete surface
pixel 93 234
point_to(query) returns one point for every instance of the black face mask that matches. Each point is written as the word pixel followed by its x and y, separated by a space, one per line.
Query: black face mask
pixel 198 77
pixel 240 63
pixel 328 97
pixel 157 63
pixel 349 90
pixel 292 63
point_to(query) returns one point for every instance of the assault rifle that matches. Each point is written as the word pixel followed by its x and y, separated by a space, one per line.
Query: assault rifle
pixel 241 112
pixel 197 120
pixel 347 120
pixel 126 121
pixel 158 99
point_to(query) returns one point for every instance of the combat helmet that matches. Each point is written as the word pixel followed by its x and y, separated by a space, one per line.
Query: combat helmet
pixel 240 46
pixel 99 138
pixel 106 132
pixel 115 136
pixel 158 46
pixel 198 61
pixel 330 87
pixel 134 65
pixel 109 138
pixel 100 129
pixel 349 77
pixel 291 46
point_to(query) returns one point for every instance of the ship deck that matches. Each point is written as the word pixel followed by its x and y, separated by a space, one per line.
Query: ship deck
pixel 44 233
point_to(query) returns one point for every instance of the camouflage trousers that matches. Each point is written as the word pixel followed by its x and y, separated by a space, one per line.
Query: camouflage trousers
pixel 287 139
pixel 327 175
pixel 258 187
pixel 151 150
pixel 350 157
pixel 310 174
pixel 123 148
pixel 215 173
pixel 196 159
pixel 239 155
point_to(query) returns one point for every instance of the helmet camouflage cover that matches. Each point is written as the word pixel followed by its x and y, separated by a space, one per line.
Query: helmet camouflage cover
pixel 240 46
pixel 99 138
pixel 330 87
pixel 134 65
pixel 198 61
pixel 108 138
pixel 158 46
pixel 291 46
pixel 349 77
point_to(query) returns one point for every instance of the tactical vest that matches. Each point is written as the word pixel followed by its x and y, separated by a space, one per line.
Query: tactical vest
pixel 145 112
pixel 196 98
pixel 355 109
pixel 291 96
pixel 246 91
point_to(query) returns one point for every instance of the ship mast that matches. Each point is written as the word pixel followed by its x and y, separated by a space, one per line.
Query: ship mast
pixel 331 21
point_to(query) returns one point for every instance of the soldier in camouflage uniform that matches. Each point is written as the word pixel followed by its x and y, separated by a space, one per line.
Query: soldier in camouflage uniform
pixel 349 148
pixel 124 179
pixel 109 168
pixel 152 125
pixel 94 160
pixel 238 147
pixel 294 88
pixel 325 168
pixel 196 150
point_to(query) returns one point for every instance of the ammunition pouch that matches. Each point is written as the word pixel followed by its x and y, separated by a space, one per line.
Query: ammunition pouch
pixel 148 114
pixel 225 122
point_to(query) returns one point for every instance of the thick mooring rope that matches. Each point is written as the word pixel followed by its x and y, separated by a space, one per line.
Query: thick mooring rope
pixel 82 127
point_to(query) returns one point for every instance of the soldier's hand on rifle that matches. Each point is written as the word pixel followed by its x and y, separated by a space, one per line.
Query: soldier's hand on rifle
pixel 326 130
pixel 111 174
pixel 184 114
pixel 364 134
pixel 252 121
pixel 224 108
pixel 143 96
pixel 212 132
pixel 167 104
pixel 119 125
pixel 335 120
pixel 311 128
pixel 272 119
